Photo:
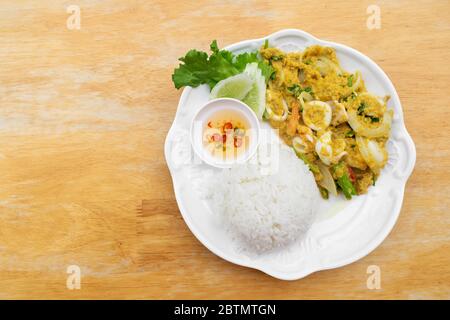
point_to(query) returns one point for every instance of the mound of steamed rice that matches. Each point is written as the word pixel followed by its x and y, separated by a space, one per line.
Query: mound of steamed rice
pixel 267 210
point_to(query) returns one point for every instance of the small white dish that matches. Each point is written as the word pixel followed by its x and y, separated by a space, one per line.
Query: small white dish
pixel 345 231
pixel 206 113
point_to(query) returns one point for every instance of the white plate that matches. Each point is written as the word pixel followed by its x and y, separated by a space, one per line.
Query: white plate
pixel 345 231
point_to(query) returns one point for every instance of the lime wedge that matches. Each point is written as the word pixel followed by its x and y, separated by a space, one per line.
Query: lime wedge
pixel 236 87
pixel 256 97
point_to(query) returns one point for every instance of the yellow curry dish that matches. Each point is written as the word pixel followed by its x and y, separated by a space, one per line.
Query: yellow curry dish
pixel 326 114
pixel 322 111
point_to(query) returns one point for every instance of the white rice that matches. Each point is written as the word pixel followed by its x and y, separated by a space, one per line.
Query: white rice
pixel 267 210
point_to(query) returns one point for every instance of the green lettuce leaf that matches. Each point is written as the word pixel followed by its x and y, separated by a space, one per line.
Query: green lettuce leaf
pixel 197 68
pixel 193 71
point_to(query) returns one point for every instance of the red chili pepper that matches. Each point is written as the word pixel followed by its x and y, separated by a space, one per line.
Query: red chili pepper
pixel 224 138
pixel 216 137
pixel 227 126
pixel 351 174
pixel 209 124
pixel 237 142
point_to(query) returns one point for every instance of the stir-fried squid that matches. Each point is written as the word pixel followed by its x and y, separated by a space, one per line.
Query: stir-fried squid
pixel 326 114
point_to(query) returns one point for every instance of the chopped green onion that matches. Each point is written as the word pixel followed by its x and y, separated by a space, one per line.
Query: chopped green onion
pixel 323 192
pixel 350 134
pixel 345 183
pixel 296 90
pixel 361 108
pixel 313 167
pixel 350 81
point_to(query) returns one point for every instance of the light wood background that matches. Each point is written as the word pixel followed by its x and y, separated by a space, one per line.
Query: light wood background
pixel 83 118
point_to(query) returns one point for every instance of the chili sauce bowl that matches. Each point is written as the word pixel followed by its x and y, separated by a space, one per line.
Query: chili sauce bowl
pixel 225 132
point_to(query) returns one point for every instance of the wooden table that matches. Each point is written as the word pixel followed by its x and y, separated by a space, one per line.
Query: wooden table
pixel 84 114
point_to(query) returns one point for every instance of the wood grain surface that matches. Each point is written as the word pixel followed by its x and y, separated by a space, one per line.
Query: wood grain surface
pixel 83 118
